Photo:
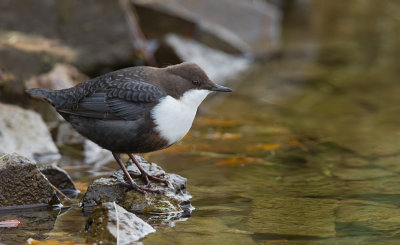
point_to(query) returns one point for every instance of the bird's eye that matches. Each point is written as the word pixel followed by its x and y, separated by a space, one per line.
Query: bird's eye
pixel 195 82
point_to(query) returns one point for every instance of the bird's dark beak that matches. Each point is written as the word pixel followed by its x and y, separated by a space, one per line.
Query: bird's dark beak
pixel 219 88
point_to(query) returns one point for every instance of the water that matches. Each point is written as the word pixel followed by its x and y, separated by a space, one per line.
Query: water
pixel 307 148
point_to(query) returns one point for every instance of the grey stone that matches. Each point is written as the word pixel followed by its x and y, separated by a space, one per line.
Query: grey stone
pixel 238 27
pixel 94 36
pixel 218 65
pixel 22 184
pixel 174 200
pixel 60 179
pixel 252 25
pixel 24 131
pixel 67 31
pixel 62 76
pixel 109 224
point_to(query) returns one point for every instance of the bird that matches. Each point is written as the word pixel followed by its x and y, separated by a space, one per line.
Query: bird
pixel 134 110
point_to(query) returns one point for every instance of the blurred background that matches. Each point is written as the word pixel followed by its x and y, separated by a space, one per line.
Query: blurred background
pixel 306 150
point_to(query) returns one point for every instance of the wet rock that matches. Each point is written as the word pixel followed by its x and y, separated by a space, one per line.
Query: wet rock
pixel 60 179
pixel 22 184
pixel 174 200
pixel 24 131
pixel 107 223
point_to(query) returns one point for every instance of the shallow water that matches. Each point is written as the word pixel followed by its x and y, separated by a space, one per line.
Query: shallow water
pixel 305 151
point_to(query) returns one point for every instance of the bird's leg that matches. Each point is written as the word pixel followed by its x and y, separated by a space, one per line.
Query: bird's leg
pixel 144 174
pixel 132 184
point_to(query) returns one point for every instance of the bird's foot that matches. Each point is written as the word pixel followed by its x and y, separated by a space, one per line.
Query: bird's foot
pixel 145 176
pixel 141 189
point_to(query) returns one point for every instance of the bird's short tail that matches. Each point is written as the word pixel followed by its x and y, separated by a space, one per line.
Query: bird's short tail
pixel 42 93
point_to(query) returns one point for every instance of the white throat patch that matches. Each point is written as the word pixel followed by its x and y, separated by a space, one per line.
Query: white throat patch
pixel 175 117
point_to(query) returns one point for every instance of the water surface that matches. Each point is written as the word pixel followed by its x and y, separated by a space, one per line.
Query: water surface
pixel 305 151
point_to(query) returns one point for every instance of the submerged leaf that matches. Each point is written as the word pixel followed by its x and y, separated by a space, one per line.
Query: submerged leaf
pixel 267 146
pixel 10 223
pixel 32 241
pixel 82 186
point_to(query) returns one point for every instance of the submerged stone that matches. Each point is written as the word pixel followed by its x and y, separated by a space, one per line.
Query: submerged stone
pixel 36 223
pixel 22 184
pixel 111 224
pixel 307 218
pixel 174 200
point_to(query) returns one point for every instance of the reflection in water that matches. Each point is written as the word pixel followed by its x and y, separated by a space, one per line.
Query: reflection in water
pixel 307 148
pixel 35 223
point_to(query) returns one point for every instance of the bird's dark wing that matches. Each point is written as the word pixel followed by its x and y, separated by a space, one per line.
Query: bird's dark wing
pixel 122 100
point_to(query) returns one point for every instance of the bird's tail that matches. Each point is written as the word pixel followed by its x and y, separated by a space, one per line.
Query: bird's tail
pixel 42 93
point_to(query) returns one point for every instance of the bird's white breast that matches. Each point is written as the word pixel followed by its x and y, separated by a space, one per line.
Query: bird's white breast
pixel 174 117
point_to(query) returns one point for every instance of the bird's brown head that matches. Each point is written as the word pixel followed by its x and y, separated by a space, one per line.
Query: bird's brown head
pixel 188 76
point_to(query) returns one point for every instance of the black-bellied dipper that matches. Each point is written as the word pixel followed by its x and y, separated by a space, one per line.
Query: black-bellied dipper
pixel 134 110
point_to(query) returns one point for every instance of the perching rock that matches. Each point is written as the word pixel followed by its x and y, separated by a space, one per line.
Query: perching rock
pixel 22 184
pixel 24 131
pixel 174 200
pixel 60 179
pixel 103 223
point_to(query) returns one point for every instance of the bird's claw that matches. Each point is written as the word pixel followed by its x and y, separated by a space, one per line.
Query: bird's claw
pixel 147 176
pixel 140 188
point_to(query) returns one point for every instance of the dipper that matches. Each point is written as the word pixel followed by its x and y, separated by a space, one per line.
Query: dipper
pixel 134 110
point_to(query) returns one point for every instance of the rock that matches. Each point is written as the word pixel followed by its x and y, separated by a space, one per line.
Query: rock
pixel 60 179
pixel 22 184
pixel 95 37
pixel 66 135
pixel 96 155
pixel 24 131
pixel 218 65
pixel 174 200
pixel 65 31
pixel 253 25
pixel 238 27
pixel 103 225
pixel 62 76
pixel 17 66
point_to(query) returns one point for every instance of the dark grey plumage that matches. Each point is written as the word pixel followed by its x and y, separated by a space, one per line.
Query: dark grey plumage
pixel 115 110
